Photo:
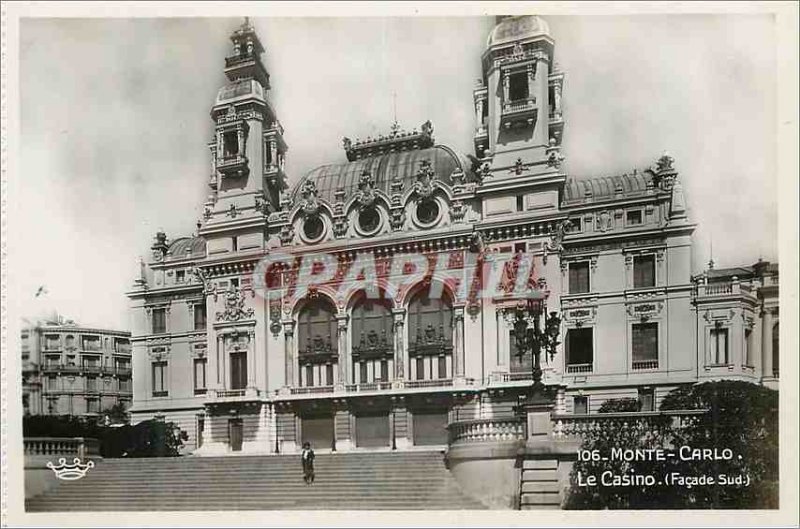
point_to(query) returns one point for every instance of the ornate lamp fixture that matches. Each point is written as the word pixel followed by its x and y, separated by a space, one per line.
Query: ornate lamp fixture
pixel 529 335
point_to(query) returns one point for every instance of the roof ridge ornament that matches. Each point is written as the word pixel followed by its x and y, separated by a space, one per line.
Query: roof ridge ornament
pixel 397 140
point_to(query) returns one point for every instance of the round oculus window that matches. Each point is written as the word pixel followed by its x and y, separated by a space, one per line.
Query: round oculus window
pixel 313 227
pixel 427 211
pixel 369 219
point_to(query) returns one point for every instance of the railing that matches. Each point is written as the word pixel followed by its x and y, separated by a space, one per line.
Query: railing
pixel 238 394
pixel 66 368
pixel 81 447
pixel 723 289
pixel 644 364
pixel 515 377
pixel 435 383
pixel 485 430
pixel 579 368
pixel 234 161
pixel 519 106
pixel 311 389
pixel 368 386
pixel 565 426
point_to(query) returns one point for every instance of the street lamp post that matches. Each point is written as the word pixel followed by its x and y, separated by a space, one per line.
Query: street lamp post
pixel 529 335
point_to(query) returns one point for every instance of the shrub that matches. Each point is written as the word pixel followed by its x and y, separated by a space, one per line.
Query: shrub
pixel 740 417
pixel 620 405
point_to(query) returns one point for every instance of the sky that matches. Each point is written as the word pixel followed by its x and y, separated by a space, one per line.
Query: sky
pixel 114 122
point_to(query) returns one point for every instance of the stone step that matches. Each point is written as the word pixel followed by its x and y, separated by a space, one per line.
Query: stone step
pixel 539 475
pixel 539 507
pixel 540 498
pixel 540 486
pixel 540 464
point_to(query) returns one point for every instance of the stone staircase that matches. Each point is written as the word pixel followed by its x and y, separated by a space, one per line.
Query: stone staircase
pixel 344 481
pixel 539 488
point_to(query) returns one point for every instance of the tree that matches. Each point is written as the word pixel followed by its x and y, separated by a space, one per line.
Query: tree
pixel 738 431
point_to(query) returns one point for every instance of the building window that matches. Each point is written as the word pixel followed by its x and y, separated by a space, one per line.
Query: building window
pixel 329 375
pixel 317 331
pixel 70 342
pixel 384 371
pixel 200 376
pixel 91 383
pixel 122 366
pixel 645 345
pixel 430 329
pixel 644 271
pixel 234 244
pixel 442 367
pixel 647 399
pixel 52 342
pixel 579 277
pixel 576 225
pixel 520 203
pixel 719 346
pixel 427 211
pixel 52 383
pixel 363 375
pixel 518 86
pixel 369 220
pixel 92 405
pixel 580 405
pixel 518 364
pixel 91 364
pixel 309 375
pixel 633 217
pixel 579 350
pixel 180 276
pixel 159 321
pixel 420 368
pixel 160 379
pixel 125 385
pixel 122 345
pixel 200 317
pixel 90 343
pixel 748 347
pixel 238 370
pixel 313 227
pixel 230 142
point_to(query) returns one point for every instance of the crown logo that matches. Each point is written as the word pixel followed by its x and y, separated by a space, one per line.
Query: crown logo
pixel 71 472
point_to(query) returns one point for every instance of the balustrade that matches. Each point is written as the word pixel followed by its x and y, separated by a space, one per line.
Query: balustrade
pixel 486 430
pixel 644 364
pixel 576 426
pixel 61 446
pixel 579 368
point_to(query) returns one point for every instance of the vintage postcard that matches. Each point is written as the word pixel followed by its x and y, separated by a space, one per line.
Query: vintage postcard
pixel 446 264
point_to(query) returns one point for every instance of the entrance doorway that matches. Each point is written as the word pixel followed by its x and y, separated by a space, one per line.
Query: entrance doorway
pixel 318 430
pixel 235 434
pixel 430 428
pixel 372 430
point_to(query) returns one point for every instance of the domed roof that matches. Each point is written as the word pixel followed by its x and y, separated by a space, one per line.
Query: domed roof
pixel 384 168
pixel 606 187
pixel 518 28
pixel 187 248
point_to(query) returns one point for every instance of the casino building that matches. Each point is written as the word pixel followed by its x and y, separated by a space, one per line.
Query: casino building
pixel 234 343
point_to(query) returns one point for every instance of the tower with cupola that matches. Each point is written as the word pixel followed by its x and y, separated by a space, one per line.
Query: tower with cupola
pixel 518 100
pixel 247 152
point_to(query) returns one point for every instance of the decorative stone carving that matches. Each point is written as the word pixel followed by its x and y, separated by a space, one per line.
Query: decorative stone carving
pixel 457 210
pixel 645 311
pixel 556 238
pixel 287 234
pixel 398 218
pixel 603 221
pixel 423 187
pixel 365 196
pixel 235 309
pixel 309 193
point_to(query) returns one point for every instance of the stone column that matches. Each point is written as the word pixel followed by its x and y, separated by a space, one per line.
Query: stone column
pixel 458 342
pixel 273 151
pixel 240 141
pixel 288 332
pixel 766 344
pixel 557 99
pixel 531 78
pixel 251 358
pixel 344 356
pixel 506 82
pixel 399 343
pixel 479 114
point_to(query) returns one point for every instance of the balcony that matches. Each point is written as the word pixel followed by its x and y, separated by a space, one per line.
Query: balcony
pixel 579 368
pixel 232 395
pixel 728 288
pixel 644 364
pixel 309 390
pixel 522 112
pixel 373 347
pixel 368 386
pixel 234 165
pixel 429 342
pixel 434 383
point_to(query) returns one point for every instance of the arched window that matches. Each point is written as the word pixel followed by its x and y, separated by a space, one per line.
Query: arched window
pixel 430 337
pixel 372 339
pixel 316 332
pixel 775 342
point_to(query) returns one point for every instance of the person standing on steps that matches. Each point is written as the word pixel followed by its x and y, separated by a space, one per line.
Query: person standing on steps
pixel 307 456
